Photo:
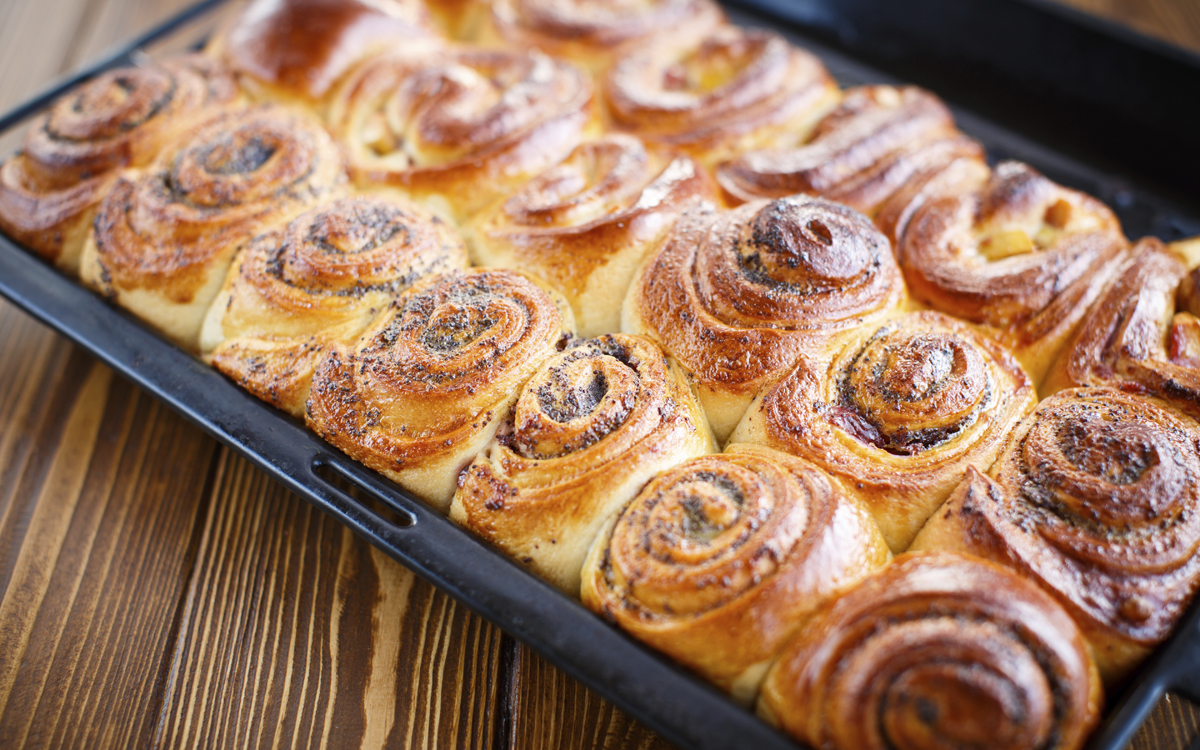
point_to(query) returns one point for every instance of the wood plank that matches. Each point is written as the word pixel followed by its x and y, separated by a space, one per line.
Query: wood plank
pixel 1175 21
pixel 293 626
pixel 1173 725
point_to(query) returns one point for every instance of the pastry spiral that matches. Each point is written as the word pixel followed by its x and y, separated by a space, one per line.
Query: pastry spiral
pixel 320 279
pixel 729 91
pixel 164 238
pixel 898 414
pixel 460 128
pixel 420 394
pixel 937 651
pixel 737 297
pixel 1097 498
pixel 593 34
pixel 1021 256
pixel 73 153
pixel 877 141
pixel 718 560
pixel 587 432
pixel 586 224
pixel 296 50
pixel 1143 334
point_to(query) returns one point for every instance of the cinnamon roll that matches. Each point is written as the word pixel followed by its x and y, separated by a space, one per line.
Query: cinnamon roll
pixel 73 153
pixel 730 91
pixel 719 560
pixel 594 34
pixel 1097 499
pixel 878 140
pixel 1144 333
pixel 460 128
pixel 898 414
pixel 738 296
pixel 1019 255
pixel 587 432
pixel 295 50
pixel 586 224
pixel 164 238
pixel 420 394
pixel 937 651
pixel 321 279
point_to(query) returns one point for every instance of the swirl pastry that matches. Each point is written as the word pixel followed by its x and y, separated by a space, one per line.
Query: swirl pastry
pixel 164 238
pixel 588 430
pixel 937 651
pixel 296 50
pixel 877 141
pixel 460 128
pixel 1143 334
pixel 1020 255
pixel 737 297
pixel 320 279
pixel 586 224
pixel 719 560
pixel 73 153
pixel 594 34
pixel 1097 498
pixel 729 91
pixel 897 414
pixel 420 394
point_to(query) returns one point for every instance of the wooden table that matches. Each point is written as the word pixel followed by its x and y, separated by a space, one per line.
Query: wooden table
pixel 158 590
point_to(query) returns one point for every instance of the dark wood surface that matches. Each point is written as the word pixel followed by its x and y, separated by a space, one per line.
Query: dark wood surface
pixel 156 590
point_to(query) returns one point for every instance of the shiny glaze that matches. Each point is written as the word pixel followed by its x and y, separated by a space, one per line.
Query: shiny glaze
pixel 721 558
pixel 1096 498
pixel 587 431
pixel 319 280
pixel 937 650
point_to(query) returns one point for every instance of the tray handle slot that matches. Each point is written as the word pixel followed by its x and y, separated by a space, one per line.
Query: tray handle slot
pixel 354 486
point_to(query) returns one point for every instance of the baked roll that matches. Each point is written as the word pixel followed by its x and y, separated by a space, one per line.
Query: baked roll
pixel 877 141
pixel 72 155
pixel 937 651
pixel 586 224
pixel 737 297
pixel 295 50
pixel 1097 499
pixel 587 432
pixel 720 559
pixel 318 280
pixel 164 238
pixel 462 127
pixel 421 393
pixel 1143 334
pixel 1020 256
pixel 595 34
pixel 897 414
pixel 726 92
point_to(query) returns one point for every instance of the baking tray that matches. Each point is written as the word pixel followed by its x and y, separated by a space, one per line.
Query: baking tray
pixel 849 35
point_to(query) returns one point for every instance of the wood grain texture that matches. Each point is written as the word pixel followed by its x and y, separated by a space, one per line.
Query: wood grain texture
pixel 295 633
pixel 1175 21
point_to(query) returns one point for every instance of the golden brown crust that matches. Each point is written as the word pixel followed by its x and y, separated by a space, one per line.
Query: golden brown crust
pixel 72 154
pixel 591 426
pixel 879 140
pixel 586 224
pixel 897 414
pixel 463 125
pixel 1097 499
pixel 164 238
pixel 738 296
pixel 300 48
pixel 594 34
pixel 1021 256
pixel 937 651
pixel 319 280
pixel 718 560
pixel 729 91
pixel 424 389
pixel 1143 335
